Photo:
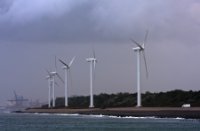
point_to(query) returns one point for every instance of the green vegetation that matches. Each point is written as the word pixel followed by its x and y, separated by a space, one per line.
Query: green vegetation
pixel 175 98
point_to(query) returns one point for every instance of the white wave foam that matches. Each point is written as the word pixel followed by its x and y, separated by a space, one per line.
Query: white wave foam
pixel 67 114
pixel 151 117
pixel 100 116
pixel 179 118
pixel 58 114
pixel 44 114
pixel 132 117
pixel 115 116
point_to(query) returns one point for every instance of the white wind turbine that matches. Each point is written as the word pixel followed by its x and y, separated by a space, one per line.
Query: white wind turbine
pixel 140 50
pixel 51 81
pixel 93 62
pixel 66 68
pixel 53 74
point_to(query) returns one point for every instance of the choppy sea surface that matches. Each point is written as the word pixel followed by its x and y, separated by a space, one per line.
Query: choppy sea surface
pixel 76 122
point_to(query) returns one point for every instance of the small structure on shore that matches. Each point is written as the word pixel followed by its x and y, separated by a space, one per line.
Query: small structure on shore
pixel 186 105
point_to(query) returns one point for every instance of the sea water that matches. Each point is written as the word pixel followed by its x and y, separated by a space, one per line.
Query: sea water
pixel 76 122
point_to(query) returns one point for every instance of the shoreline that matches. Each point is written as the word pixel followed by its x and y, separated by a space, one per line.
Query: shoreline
pixel 160 112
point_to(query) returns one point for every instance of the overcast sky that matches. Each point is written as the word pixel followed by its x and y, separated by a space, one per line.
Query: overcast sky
pixel 32 32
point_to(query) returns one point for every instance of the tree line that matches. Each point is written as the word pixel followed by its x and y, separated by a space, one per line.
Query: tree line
pixel 175 98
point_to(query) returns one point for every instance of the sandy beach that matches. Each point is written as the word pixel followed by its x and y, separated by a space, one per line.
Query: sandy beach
pixel 162 112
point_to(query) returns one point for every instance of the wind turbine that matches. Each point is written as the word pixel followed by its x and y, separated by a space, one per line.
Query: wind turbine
pixel 140 50
pixel 66 68
pixel 53 75
pixel 93 62
pixel 51 81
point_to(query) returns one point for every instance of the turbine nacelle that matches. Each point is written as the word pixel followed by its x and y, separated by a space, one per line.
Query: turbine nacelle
pixel 136 48
pixel 53 73
pixel 91 59
pixel 139 48
pixel 65 67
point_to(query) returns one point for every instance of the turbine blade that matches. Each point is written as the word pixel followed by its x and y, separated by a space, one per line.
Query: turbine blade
pixel 63 63
pixel 93 50
pixel 146 35
pixel 94 55
pixel 48 72
pixel 136 43
pixel 145 62
pixel 72 61
pixel 60 78
pixel 57 84
pixel 55 62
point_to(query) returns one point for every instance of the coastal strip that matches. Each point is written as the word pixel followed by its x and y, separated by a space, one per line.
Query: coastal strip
pixel 161 112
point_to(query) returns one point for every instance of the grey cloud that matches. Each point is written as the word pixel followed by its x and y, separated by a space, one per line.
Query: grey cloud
pixel 49 25
pixel 101 21
pixel 5 6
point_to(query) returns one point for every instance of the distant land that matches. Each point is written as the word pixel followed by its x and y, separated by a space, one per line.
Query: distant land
pixel 160 112
pixel 162 105
pixel 174 98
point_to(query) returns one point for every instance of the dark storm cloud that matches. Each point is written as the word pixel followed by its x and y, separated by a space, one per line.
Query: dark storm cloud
pixel 98 20
pixel 43 20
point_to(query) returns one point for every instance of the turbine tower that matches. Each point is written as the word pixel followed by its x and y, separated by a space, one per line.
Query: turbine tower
pixel 53 74
pixel 140 50
pixel 92 62
pixel 66 68
pixel 49 78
